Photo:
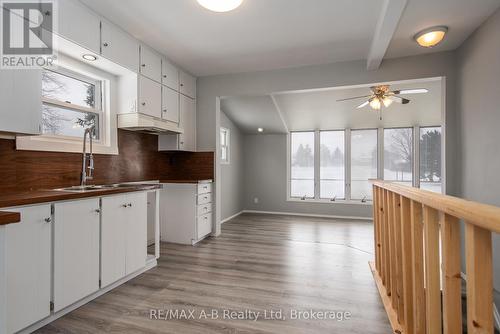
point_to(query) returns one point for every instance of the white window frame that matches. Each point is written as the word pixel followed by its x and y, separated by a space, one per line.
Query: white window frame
pixel 106 104
pixel 347 162
pixel 227 131
pixel 318 140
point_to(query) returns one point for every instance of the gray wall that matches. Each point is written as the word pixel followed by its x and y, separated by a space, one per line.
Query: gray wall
pixel 210 89
pixel 479 109
pixel 265 178
pixel 232 173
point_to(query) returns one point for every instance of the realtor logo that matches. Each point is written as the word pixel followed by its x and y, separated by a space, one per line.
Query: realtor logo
pixel 27 39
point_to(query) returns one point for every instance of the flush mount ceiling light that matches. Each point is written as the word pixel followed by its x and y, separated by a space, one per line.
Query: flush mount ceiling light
pixel 431 37
pixel 260 129
pixel 89 57
pixel 220 5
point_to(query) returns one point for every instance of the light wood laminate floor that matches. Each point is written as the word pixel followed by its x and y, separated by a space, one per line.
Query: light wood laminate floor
pixel 260 262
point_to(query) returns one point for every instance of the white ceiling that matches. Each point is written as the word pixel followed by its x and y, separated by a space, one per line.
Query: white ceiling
pixel 319 109
pixel 270 34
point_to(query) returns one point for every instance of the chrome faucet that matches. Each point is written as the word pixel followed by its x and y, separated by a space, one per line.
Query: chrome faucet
pixel 84 177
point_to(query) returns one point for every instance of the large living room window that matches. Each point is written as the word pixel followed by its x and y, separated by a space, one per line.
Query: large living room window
pixel 332 168
pixel 302 182
pixel 363 163
pixel 398 155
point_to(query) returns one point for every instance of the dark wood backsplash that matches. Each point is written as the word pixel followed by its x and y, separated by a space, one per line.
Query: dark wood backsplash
pixel 138 160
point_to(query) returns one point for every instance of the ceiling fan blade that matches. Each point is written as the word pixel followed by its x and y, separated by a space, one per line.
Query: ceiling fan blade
pixel 353 98
pixel 400 99
pixel 411 91
pixel 363 104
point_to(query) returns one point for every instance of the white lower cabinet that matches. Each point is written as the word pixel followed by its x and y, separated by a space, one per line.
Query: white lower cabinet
pixel 76 251
pixel 185 212
pixel 123 236
pixel 25 279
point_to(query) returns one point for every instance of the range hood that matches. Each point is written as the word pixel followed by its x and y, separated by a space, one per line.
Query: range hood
pixel 144 123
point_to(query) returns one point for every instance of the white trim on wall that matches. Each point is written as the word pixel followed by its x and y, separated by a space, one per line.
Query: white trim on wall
pixel 307 215
pixel 231 217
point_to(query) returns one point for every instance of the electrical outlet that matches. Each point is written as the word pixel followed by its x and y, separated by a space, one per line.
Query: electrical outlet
pixel 256 200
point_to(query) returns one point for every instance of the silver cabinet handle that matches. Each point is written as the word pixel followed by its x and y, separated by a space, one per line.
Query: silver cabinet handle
pixel 143 103
pixel 124 205
pixel 164 76
pixel 182 85
pixel 143 65
pixel 105 44
pixel 97 210
pixel 47 220
pixel 164 110
pixel 129 205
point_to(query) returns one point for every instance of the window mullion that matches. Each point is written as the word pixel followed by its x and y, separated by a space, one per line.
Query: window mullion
pixel 416 156
pixel 347 164
pixel 380 148
pixel 317 161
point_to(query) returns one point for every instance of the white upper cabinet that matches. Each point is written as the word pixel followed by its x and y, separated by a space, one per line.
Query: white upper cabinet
pixel 149 97
pixel 170 104
pixel 79 24
pixel 150 64
pixel 119 47
pixel 187 84
pixel 187 139
pixel 20 101
pixel 169 74
pixel 26 256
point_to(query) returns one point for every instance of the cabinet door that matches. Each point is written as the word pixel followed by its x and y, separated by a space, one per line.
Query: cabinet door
pixel 149 97
pixel 169 75
pixel 28 267
pixel 119 47
pixel 79 24
pixel 113 217
pixel 150 64
pixel 20 101
pixel 187 140
pixel 170 107
pixel 76 251
pixel 136 232
pixel 187 84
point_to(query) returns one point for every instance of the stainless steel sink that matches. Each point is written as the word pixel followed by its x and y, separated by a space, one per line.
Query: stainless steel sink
pixel 89 188
pixel 82 188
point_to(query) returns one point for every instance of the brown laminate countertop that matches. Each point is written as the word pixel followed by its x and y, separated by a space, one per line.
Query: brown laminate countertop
pixel 9 217
pixel 184 181
pixel 44 196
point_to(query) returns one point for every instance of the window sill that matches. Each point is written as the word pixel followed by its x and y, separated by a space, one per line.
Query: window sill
pixel 325 201
pixel 52 144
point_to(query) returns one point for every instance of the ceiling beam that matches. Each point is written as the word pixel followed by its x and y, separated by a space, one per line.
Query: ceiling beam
pixel 391 13
pixel 278 109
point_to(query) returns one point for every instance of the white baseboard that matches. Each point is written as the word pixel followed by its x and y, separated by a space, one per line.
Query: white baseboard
pixel 233 216
pixel 307 215
pixel 150 263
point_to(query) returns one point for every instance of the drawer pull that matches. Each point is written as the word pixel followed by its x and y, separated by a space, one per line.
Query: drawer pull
pixel 47 220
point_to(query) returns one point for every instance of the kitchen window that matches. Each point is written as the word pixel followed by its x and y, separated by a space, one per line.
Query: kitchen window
pixel 75 95
pixel 71 103
pixel 225 145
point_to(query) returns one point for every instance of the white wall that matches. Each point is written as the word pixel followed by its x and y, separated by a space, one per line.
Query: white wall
pixel 322 76
pixel 478 104
pixel 232 173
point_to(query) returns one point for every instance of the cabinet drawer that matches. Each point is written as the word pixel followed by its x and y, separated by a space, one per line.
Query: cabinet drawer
pixel 204 188
pixel 204 209
pixel 204 225
pixel 204 198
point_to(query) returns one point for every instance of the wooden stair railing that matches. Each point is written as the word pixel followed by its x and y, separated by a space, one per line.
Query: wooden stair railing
pixel 418 259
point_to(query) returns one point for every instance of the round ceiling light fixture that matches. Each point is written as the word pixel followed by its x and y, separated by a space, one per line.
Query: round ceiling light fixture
pixel 220 6
pixel 431 37
pixel 89 57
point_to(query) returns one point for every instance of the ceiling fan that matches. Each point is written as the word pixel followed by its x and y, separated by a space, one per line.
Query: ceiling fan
pixel 382 96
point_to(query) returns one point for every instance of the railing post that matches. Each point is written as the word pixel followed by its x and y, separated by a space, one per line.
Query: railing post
pixel 479 270
pixel 432 271
pixel 407 255
pixel 388 260
pixel 452 281
pixel 417 243
pixel 376 227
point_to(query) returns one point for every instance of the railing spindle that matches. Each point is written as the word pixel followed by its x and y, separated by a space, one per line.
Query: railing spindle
pixel 398 252
pixel 452 281
pixel 479 270
pixel 417 243
pixel 406 245
pixel 432 271
pixel 393 259
pixel 387 208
